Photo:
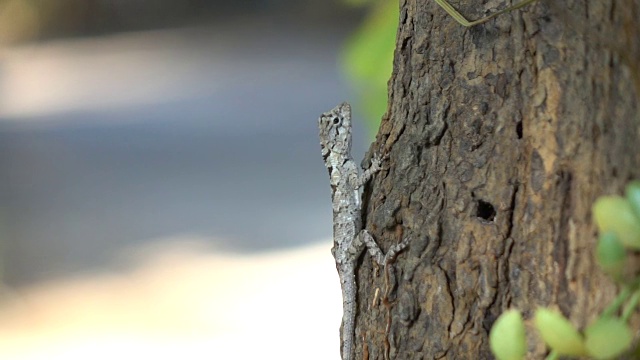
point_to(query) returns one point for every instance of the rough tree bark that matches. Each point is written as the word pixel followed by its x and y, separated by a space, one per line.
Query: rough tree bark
pixel 500 138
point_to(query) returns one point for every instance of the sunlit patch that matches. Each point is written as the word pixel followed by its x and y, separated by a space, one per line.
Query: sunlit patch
pixel 186 302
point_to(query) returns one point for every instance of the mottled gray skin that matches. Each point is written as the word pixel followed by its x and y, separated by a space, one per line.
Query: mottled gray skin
pixel 349 239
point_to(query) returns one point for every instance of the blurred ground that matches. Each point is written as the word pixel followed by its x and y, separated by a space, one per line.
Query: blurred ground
pixel 182 301
pixel 127 139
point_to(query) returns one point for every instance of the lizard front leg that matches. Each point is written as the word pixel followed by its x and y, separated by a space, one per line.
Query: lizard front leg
pixel 376 165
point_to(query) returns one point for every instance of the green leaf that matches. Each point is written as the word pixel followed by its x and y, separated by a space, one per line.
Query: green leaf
pixel 607 338
pixel 610 254
pixel 614 213
pixel 507 338
pixel 559 333
pixel 368 58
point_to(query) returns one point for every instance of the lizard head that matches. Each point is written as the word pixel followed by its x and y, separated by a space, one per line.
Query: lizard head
pixel 335 130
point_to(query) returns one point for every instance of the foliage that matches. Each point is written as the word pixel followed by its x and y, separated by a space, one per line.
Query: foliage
pixel 559 333
pixel 368 57
pixel 507 338
pixel 609 336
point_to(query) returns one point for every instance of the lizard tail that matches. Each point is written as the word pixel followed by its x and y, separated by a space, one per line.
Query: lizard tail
pixel 348 328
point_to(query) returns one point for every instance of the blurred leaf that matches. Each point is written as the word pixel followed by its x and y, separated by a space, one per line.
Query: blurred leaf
pixel 610 254
pixel 559 333
pixel 368 59
pixel 614 213
pixel 507 338
pixel 608 338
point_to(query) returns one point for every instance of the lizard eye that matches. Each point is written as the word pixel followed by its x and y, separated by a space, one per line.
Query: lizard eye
pixel 336 120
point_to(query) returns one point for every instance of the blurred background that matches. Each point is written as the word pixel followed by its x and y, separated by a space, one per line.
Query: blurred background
pixel 162 192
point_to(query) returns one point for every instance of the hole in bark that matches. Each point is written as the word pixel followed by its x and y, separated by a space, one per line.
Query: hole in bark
pixel 486 211
pixel 519 129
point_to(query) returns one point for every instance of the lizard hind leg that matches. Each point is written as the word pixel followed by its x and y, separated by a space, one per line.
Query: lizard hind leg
pixel 374 250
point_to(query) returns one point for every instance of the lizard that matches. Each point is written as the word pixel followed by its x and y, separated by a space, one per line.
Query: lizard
pixel 349 238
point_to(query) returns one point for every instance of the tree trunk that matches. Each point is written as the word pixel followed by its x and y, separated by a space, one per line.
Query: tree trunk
pixel 500 137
